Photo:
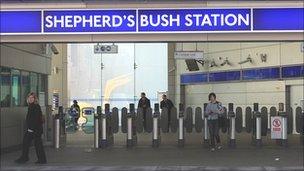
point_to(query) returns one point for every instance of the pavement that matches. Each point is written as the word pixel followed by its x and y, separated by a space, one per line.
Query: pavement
pixel 79 154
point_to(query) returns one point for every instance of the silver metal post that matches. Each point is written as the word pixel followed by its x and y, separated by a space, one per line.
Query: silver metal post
pixel 155 128
pixel 258 131
pixel 104 129
pixel 129 132
pixel 231 115
pixel 181 140
pixel 104 141
pixel 232 128
pixel 155 138
pixel 206 132
pixel 258 128
pixel 206 129
pixel 284 131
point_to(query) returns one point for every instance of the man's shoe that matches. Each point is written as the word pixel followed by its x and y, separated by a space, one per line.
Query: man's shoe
pixel 21 160
pixel 219 147
pixel 40 162
pixel 212 149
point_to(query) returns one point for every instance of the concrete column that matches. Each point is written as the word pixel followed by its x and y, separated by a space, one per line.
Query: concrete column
pixel 171 72
pixel 58 79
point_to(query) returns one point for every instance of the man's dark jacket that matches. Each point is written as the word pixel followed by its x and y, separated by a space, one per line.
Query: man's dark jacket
pixel 144 103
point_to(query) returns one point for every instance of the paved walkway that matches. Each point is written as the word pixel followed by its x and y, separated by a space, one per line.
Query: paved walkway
pixel 167 157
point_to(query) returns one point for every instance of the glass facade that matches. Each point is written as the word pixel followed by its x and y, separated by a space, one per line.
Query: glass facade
pixel 16 87
pixel 34 82
pixel 17 84
pixel 5 87
pixel 25 83
pixel 119 78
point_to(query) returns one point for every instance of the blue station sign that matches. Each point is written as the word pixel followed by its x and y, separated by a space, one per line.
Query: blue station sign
pixel 203 20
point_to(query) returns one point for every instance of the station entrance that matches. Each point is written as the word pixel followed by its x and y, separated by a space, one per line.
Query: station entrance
pixel 244 75
pixel 250 79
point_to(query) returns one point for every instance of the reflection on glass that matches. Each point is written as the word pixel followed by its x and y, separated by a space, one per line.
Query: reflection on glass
pixel 5 92
pixel 34 82
pixel 25 79
pixel 15 88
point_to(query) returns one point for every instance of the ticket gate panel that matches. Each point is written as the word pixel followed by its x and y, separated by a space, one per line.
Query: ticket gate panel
pixel 238 120
pixel 273 111
pixel 114 120
pixel 248 123
pixel 164 120
pixel 173 120
pixel 149 120
pixel 189 120
pixel 289 112
pixel 124 113
pixel 139 120
pixel 198 119
pixel 70 123
pixel 299 120
pixel 223 121
pixel 264 117
pixel 88 113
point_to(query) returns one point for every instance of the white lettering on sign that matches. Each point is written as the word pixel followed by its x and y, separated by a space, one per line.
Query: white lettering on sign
pixel 189 55
pixel 157 20
pixel 74 21
pixel 195 20
pixel 217 19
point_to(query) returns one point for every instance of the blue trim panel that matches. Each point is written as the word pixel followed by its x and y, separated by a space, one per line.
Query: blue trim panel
pixel 194 78
pixel 293 71
pixel 224 76
pixel 260 74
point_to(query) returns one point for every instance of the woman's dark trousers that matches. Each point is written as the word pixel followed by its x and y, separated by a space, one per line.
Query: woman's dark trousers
pixel 213 126
pixel 27 139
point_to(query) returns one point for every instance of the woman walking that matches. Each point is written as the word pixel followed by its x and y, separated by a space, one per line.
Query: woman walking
pixel 213 110
pixel 34 122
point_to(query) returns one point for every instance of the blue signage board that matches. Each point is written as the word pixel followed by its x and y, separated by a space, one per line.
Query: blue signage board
pixel 203 20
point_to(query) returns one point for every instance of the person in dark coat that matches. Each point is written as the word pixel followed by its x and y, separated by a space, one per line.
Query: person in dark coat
pixel 144 103
pixel 167 103
pixel 77 108
pixel 34 130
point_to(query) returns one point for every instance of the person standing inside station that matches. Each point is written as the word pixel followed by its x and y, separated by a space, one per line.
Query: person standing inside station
pixel 76 108
pixel 34 130
pixel 167 103
pixel 144 103
pixel 214 109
